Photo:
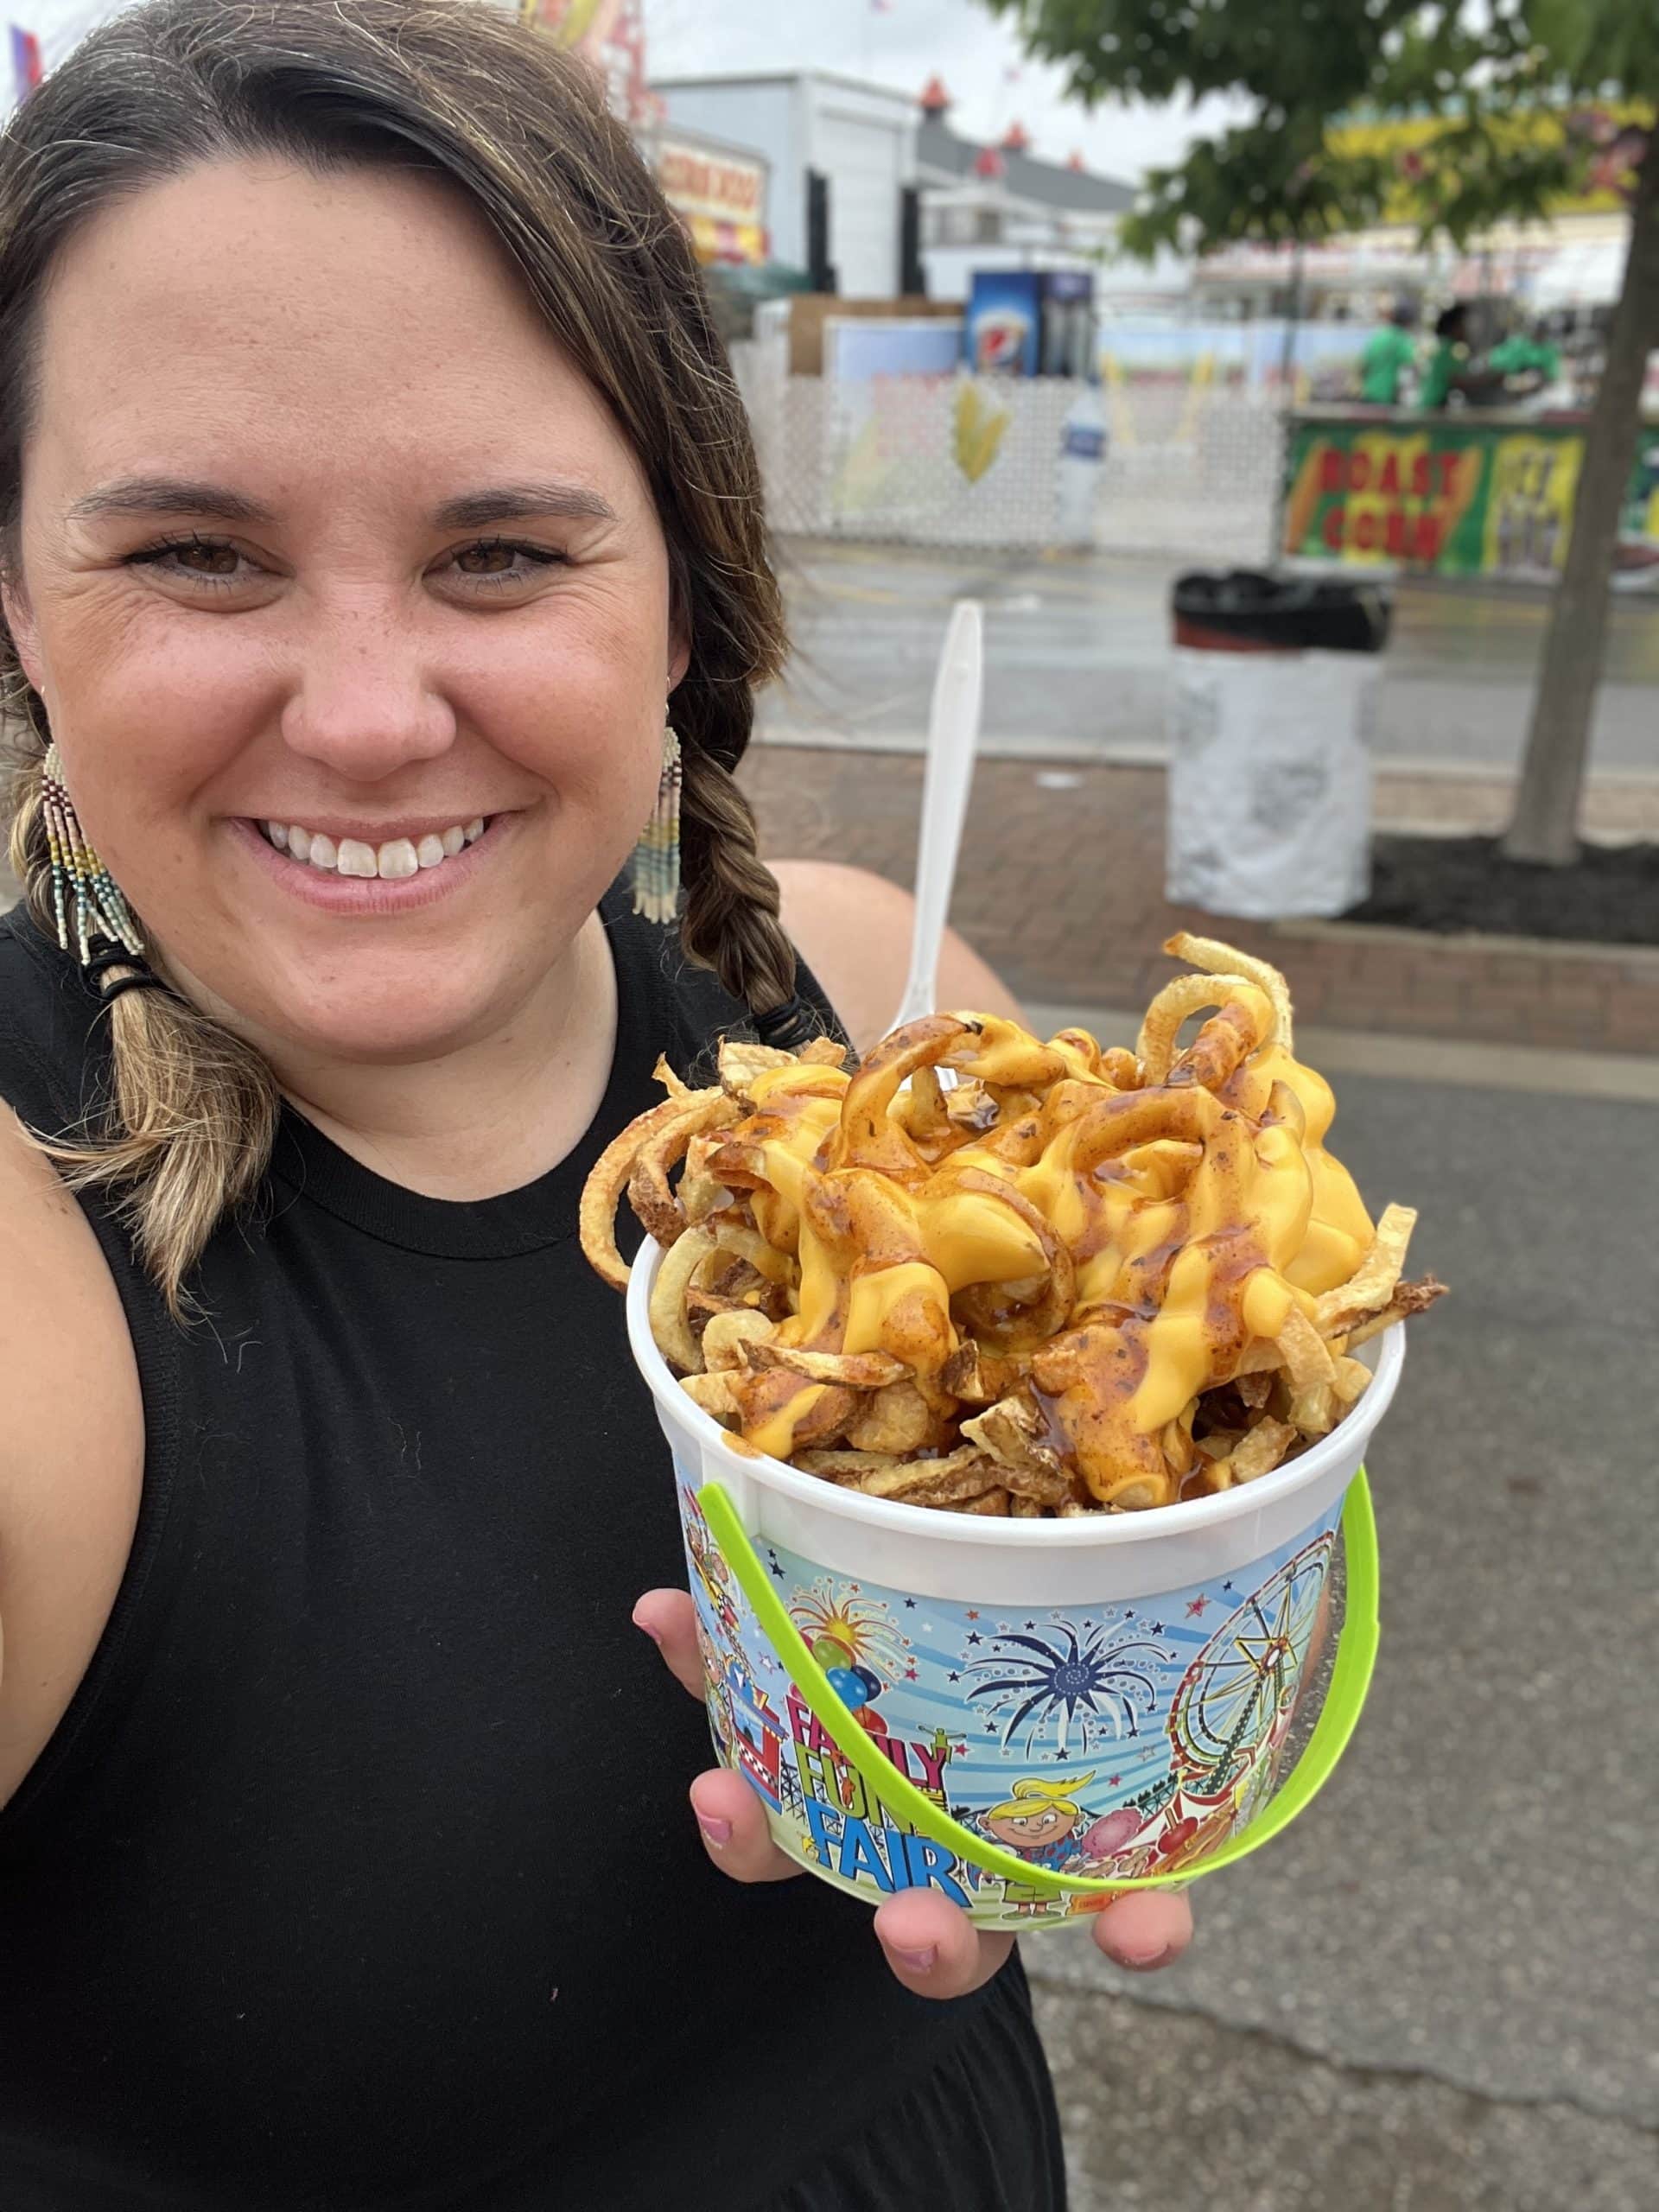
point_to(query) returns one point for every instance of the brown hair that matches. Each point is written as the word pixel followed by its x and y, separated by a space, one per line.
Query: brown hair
pixel 458 89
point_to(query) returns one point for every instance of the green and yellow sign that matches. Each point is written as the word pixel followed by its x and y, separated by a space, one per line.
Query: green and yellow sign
pixel 1453 494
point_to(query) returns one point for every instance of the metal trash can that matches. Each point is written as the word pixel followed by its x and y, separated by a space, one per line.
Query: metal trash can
pixel 1271 709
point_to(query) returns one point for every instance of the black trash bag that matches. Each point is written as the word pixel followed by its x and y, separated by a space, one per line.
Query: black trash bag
pixel 1244 609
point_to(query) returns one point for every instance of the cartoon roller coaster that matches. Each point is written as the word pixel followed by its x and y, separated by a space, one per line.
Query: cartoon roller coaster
pixel 1234 1705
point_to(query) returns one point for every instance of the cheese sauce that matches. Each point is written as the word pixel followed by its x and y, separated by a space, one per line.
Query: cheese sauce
pixel 1181 1221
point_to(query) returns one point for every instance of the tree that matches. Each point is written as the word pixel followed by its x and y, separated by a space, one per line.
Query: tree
pixel 1534 98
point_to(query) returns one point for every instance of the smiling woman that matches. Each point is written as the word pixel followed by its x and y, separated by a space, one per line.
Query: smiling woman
pixel 374 496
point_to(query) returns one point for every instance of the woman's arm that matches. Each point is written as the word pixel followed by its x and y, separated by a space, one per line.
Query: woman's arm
pixel 853 931
pixel 71 1450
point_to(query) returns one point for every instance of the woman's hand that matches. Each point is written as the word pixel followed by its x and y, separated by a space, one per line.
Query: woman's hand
pixel 930 1944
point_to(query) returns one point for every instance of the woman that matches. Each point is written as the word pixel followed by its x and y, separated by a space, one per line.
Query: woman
pixel 372 489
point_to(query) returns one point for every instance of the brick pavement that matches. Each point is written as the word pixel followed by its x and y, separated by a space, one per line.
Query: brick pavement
pixel 1062 890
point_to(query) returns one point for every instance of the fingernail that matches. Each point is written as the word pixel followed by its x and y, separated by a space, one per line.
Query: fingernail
pixel 1138 1964
pixel 645 1629
pixel 918 1961
pixel 717 1832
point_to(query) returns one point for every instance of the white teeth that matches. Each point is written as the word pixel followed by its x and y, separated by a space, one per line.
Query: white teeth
pixel 397 858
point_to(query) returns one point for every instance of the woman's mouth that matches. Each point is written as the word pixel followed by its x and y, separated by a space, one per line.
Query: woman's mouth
pixel 392 860
pixel 340 872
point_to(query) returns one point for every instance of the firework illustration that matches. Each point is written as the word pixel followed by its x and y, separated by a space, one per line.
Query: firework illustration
pixel 842 1628
pixel 1076 1681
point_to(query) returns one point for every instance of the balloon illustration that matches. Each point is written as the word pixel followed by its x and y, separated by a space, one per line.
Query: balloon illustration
pixel 845 1681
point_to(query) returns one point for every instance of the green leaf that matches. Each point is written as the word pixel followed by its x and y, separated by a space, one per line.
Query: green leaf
pixel 1504 75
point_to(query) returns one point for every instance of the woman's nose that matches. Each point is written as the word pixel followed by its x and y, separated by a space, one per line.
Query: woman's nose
pixel 365 703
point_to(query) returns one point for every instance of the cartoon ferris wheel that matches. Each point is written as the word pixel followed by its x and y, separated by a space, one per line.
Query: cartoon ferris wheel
pixel 1242 1683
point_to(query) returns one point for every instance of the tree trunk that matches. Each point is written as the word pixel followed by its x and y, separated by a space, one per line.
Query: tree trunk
pixel 1545 823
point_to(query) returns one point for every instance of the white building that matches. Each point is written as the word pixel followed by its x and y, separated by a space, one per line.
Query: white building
pixel 860 138
pixel 1003 207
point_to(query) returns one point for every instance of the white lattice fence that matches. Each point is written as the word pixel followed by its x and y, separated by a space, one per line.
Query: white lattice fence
pixel 1191 474
pixel 890 459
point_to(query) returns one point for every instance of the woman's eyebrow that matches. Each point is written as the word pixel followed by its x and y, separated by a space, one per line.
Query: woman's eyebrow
pixel 176 495
pixel 522 503
pixel 168 495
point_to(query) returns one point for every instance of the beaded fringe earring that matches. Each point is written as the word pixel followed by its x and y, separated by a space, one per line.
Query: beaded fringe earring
pixel 86 904
pixel 657 855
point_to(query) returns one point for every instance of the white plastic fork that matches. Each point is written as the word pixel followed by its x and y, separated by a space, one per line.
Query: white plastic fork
pixel 952 739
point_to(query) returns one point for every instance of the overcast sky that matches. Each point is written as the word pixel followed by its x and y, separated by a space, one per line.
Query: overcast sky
pixel 902 44
pixel 972 50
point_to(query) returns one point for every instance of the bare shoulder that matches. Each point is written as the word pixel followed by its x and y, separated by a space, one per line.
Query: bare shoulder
pixel 71 1449
pixel 853 930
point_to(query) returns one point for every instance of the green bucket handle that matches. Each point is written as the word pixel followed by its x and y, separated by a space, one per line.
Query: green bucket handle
pixel 1343 1702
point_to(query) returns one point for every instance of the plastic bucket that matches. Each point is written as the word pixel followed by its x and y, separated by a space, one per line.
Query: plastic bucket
pixel 1030 1716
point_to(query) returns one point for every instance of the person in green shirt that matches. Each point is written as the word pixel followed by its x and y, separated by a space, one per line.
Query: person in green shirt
pixel 1388 352
pixel 1527 354
pixel 1449 358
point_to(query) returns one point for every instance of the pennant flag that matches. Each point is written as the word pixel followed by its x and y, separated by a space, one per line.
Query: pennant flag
pixel 25 62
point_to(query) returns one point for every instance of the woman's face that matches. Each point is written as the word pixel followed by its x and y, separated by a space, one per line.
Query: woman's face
pixel 321 529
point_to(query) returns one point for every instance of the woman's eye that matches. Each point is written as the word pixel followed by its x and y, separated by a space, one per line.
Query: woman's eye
pixel 486 560
pixel 209 559
pixel 202 559
pixel 496 561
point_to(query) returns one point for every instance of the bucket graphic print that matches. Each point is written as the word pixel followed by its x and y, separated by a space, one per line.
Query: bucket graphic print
pixel 1124 1740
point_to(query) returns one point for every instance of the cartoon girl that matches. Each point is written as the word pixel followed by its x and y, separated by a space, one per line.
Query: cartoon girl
pixel 1042 1821
pixel 1044 1824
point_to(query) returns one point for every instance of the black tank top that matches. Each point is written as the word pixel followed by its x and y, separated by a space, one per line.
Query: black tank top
pixel 360 1872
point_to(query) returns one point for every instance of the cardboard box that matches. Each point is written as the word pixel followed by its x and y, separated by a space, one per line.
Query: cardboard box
pixel 809 311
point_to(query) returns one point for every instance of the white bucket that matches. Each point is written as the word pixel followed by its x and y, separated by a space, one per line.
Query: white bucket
pixel 1105 1696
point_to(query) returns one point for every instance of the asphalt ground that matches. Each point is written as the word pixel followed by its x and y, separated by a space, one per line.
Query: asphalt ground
pixel 1440 1990
pixel 1077 653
